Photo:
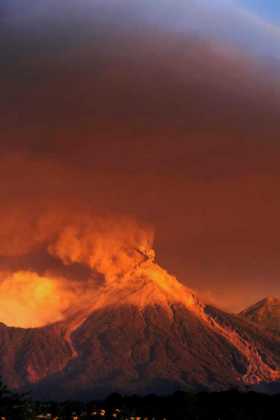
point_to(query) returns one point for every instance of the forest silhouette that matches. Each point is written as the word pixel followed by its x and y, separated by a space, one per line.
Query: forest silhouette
pixel 226 405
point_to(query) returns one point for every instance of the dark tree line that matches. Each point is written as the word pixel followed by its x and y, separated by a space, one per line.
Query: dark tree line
pixel 227 405
pixel 14 406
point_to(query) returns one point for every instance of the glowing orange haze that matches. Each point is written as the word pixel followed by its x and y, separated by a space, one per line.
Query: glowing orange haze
pixel 108 247
pixel 30 300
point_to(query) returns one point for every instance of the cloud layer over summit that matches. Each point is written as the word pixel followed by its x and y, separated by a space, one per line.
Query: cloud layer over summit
pixel 167 112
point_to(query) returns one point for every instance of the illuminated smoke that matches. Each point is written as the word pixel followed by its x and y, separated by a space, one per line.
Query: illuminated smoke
pixel 111 247
pixel 30 300
pixel 106 246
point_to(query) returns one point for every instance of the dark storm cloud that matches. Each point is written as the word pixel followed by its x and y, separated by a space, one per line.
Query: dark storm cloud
pixel 174 129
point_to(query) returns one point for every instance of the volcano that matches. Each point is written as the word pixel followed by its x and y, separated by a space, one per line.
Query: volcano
pixel 265 313
pixel 142 332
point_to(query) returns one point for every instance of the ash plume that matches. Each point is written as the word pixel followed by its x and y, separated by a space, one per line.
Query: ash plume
pixel 108 246
pixel 156 114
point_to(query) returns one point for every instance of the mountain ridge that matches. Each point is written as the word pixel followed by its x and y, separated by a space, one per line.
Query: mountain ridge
pixel 142 332
pixel 265 313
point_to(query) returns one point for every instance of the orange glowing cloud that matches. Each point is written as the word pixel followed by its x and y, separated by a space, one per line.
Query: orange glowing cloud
pixel 30 300
pixel 109 247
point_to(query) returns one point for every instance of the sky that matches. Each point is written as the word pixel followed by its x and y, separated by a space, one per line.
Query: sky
pixel 164 111
pixel 268 10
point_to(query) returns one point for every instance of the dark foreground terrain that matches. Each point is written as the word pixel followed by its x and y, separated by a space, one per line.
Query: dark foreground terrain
pixel 226 405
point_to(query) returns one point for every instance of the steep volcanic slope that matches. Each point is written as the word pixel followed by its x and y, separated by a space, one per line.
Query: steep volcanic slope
pixel 143 332
pixel 265 313
pixel 29 355
pixel 127 350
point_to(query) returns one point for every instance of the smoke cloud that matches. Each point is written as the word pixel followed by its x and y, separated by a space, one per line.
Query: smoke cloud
pixel 110 125
pixel 108 247
pixel 30 300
